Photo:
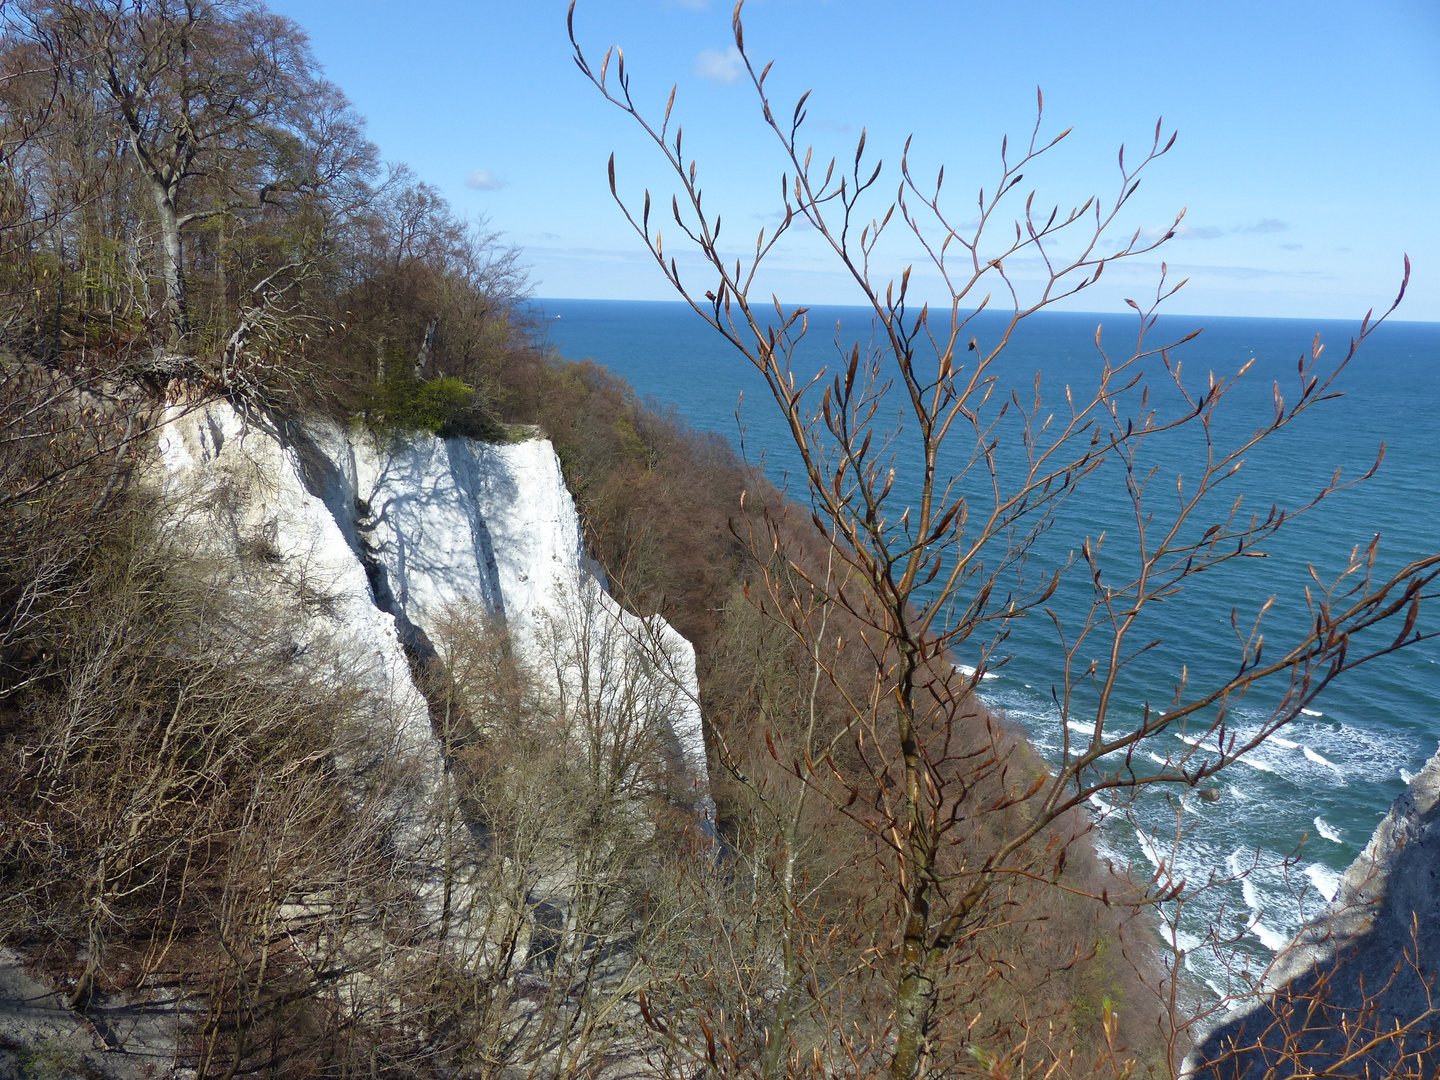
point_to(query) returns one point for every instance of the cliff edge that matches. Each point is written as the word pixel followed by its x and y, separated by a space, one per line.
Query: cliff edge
pixel 1353 993
pixel 399 534
pixel 350 559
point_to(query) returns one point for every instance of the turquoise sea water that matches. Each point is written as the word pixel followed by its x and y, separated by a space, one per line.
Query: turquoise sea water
pixel 1313 795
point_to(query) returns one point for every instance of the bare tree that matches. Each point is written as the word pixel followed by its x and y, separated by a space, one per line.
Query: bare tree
pixel 920 564
pixel 218 104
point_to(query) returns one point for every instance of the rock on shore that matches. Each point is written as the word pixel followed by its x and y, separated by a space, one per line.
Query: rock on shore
pixel 1353 993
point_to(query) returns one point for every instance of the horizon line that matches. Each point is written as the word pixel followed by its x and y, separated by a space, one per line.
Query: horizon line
pixel 1130 313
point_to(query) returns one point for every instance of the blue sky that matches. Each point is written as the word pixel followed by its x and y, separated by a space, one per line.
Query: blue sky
pixel 1307 156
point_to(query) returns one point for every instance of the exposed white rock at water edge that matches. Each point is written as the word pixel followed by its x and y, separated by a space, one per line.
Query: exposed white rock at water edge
pixel 1371 955
pixel 370 543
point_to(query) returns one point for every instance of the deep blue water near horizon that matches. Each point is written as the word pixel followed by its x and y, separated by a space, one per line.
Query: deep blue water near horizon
pixel 1334 772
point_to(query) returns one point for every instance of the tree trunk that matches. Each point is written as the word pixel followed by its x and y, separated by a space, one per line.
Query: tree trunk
pixel 427 347
pixel 915 994
pixel 913 1002
pixel 176 308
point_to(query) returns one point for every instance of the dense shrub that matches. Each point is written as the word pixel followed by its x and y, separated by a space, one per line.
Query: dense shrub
pixel 404 404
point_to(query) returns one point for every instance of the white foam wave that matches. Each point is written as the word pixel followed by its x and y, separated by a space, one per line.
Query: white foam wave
pixel 1184 942
pixel 969 672
pixel 1312 712
pixel 1355 751
pixel 1199 744
pixel 1148 848
pixel 1325 880
pixel 1271 909
pixel 1407 776
pixel 1269 938
pixel 1251 894
pixel 1328 831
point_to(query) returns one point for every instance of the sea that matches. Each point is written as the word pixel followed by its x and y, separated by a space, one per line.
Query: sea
pixel 1266 849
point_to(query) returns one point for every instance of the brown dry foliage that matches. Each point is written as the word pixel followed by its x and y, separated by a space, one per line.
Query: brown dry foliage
pixel 169 783
pixel 1052 959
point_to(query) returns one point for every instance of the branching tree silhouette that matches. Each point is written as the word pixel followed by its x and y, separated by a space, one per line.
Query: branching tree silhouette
pixel 219 105
pixel 919 564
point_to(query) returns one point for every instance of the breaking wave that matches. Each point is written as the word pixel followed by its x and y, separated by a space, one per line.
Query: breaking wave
pixel 1328 831
pixel 1325 880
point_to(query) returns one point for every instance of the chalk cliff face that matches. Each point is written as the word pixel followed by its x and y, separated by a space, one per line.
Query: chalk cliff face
pixel 352 553
pixel 372 543
pixel 1365 965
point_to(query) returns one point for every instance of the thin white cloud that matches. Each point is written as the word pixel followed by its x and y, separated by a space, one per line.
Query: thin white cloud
pixel 724 68
pixel 1212 232
pixel 1239 273
pixel 1184 232
pixel 1265 225
pixel 798 221
pixel 484 180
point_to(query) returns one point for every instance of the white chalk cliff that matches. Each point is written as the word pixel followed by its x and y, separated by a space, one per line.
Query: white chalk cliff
pixel 373 541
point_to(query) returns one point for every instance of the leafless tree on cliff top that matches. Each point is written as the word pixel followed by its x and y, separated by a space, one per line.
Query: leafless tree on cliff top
pixel 937 559
pixel 219 105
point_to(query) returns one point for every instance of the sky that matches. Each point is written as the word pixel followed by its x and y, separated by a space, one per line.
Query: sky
pixel 1307 156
